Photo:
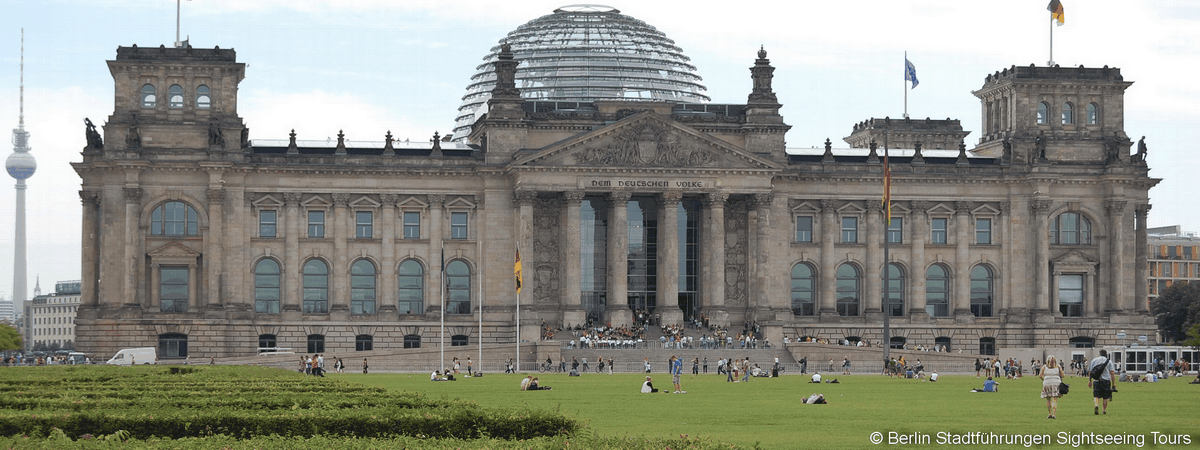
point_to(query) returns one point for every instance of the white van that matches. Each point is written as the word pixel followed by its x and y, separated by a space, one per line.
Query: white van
pixel 131 356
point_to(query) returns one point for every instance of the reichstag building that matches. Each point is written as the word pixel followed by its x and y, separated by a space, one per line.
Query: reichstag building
pixel 627 193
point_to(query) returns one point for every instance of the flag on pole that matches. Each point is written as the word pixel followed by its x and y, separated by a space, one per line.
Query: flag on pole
pixel 1056 11
pixel 910 72
pixel 887 188
pixel 517 270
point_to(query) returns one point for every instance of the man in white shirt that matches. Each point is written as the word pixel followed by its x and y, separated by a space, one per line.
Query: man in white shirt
pixel 816 378
pixel 1102 388
pixel 933 377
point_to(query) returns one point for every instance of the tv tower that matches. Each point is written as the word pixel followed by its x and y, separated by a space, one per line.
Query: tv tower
pixel 20 165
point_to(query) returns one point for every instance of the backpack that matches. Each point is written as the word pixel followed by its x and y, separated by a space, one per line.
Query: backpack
pixel 1097 372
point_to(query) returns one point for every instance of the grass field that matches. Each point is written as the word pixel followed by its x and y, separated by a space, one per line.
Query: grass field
pixel 768 412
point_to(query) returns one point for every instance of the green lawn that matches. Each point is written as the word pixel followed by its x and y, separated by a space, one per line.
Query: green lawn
pixel 768 411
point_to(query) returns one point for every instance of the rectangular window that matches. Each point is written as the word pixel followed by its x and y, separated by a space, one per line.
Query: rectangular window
pixel 266 224
pixel 1173 251
pixel 458 225
pixel 849 230
pixel 1187 252
pixel 895 232
pixel 412 225
pixel 983 231
pixel 173 289
pixel 804 229
pixel 363 221
pixel 937 231
pixel 1070 295
pixel 316 224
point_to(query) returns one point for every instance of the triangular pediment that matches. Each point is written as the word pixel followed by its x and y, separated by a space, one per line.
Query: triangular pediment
pixel 173 250
pixel 646 140
pixel 1075 257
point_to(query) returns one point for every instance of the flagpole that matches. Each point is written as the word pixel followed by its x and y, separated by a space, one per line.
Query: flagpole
pixel 905 89
pixel 1050 63
pixel 519 314
pixel 442 334
pixel 479 251
pixel 887 213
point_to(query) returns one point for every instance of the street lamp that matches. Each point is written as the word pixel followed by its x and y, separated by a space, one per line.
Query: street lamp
pixel 1124 355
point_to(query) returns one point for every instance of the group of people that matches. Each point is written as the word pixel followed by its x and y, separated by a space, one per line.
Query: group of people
pixel 675 367
pixel 531 383
pixel 315 365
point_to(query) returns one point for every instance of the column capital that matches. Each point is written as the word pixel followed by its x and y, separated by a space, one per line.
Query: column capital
pixel 1115 207
pixel 962 207
pixel 874 207
pixel 619 196
pixel 524 197
pixel 762 201
pixel 1142 210
pixel 341 200
pixel 436 200
pixel 389 199
pixel 215 196
pixel 573 198
pixel 89 197
pixel 291 198
pixel 670 197
pixel 1005 207
pixel 828 205
pixel 1040 206
pixel 133 194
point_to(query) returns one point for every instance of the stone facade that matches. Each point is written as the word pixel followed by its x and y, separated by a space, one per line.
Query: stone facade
pixel 203 243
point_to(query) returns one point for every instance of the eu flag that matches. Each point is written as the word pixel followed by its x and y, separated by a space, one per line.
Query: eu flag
pixel 910 72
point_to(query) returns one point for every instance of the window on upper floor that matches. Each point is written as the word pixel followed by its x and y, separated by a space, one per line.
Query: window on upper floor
pixel 849 230
pixel 362 287
pixel 149 96
pixel 203 97
pixel 803 290
pixel 1043 113
pixel 1068 113
pixel 266 223
pixel 983 231
pixel 173 219
pixel 266 287
pixel 173 289
pixel 458 225
pixel 175 96
pixel 412 225
pixel 363 224
pixel 1070 228
pixel 1070 295
pixel 937 230
pixel 316 224
pixel 895 232
pixel 1093 114
pixel 804 229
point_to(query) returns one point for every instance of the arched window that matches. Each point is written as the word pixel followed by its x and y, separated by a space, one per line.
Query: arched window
pixel 316 343
pixel 987 346
pixel 1071 229
pixel 848 291
pixel 937 291
pixel 149 97
pixel 172 345
pixel 1093 114
pixel 267 343
pixel 459 340
pixel 897 342
pixel 362 287
pixel 1068 113
pixel 203 97
pixel 942 342
pixel 412 341
pixel 363 342
pixel 802 290
pixel 175 96
pixel 266 287
pixel 458 277
pixel 316 287
pixel 1083 342
pixel 1043 113
pixel 895 291
pixel 412 288
pixel 173 219
pixel 981 291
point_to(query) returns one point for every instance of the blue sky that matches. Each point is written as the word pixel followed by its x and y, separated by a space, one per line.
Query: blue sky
pixel 367 67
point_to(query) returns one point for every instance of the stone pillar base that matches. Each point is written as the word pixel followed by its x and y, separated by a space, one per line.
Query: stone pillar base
pixel 573 317
pixel 619 317
pixel 672 315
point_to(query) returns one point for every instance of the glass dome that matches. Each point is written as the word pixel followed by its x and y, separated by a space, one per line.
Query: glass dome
pixel 584 53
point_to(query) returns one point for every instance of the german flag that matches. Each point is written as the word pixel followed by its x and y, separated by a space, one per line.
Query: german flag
pixel 1056 11
pixel 517 270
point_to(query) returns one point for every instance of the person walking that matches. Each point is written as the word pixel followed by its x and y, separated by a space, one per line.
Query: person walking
pixel 365 365
pixel 706 364
pixel 978 367
pixel 1051 376
pixel 1101 375
pixel 846 365
pixel 695 366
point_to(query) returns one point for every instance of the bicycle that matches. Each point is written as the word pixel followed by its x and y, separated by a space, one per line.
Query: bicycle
pixel 542 367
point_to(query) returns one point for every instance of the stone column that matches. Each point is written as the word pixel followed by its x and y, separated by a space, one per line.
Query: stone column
pixel 387 295
pixel 1043 307
pixel 761 274
pixel 433 307
pixel 156 292
pixel 617 308
pixel 1116 257
pixel 1002 276
pixel 90 249
pixel 917 311
pixel 571 305
pixel 712 268
pixel 529 324
pixel 293 228
pixel 668 257
pixel 340 289
pixel 133 201
pixel 876 266
pixel 830 231
pixel 960 300
pixel 1139 300
pixel 214 257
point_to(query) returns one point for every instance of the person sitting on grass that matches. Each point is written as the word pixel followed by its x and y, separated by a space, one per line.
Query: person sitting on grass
pixel 815 399
pixel 989 386
pixel 648 387
pixel 436 376
pixel 534 386
pixel 816 378
pixel 447 376
pixel 525 382
pixel 1196 381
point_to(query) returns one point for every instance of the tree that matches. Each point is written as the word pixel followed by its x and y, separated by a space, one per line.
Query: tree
pixel 10 339
pixel 1176 309
pixel 1193 336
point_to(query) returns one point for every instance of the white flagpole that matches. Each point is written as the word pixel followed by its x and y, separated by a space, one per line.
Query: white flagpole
pixel 1050 63
pixel 905 85
pixel 442 334
pixel 479 257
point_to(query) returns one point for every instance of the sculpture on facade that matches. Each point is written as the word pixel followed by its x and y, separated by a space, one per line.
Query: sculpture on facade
pixel 1141 150
pixel 93 137
pixel 215 138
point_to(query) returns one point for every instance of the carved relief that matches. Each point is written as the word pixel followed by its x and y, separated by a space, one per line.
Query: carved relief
pixel 89 197
pixel 292 198
pixel 736 253
pixel 132 194
pixel 340 200
pixel 547 261
pixel 649 143
pixel 1040 206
